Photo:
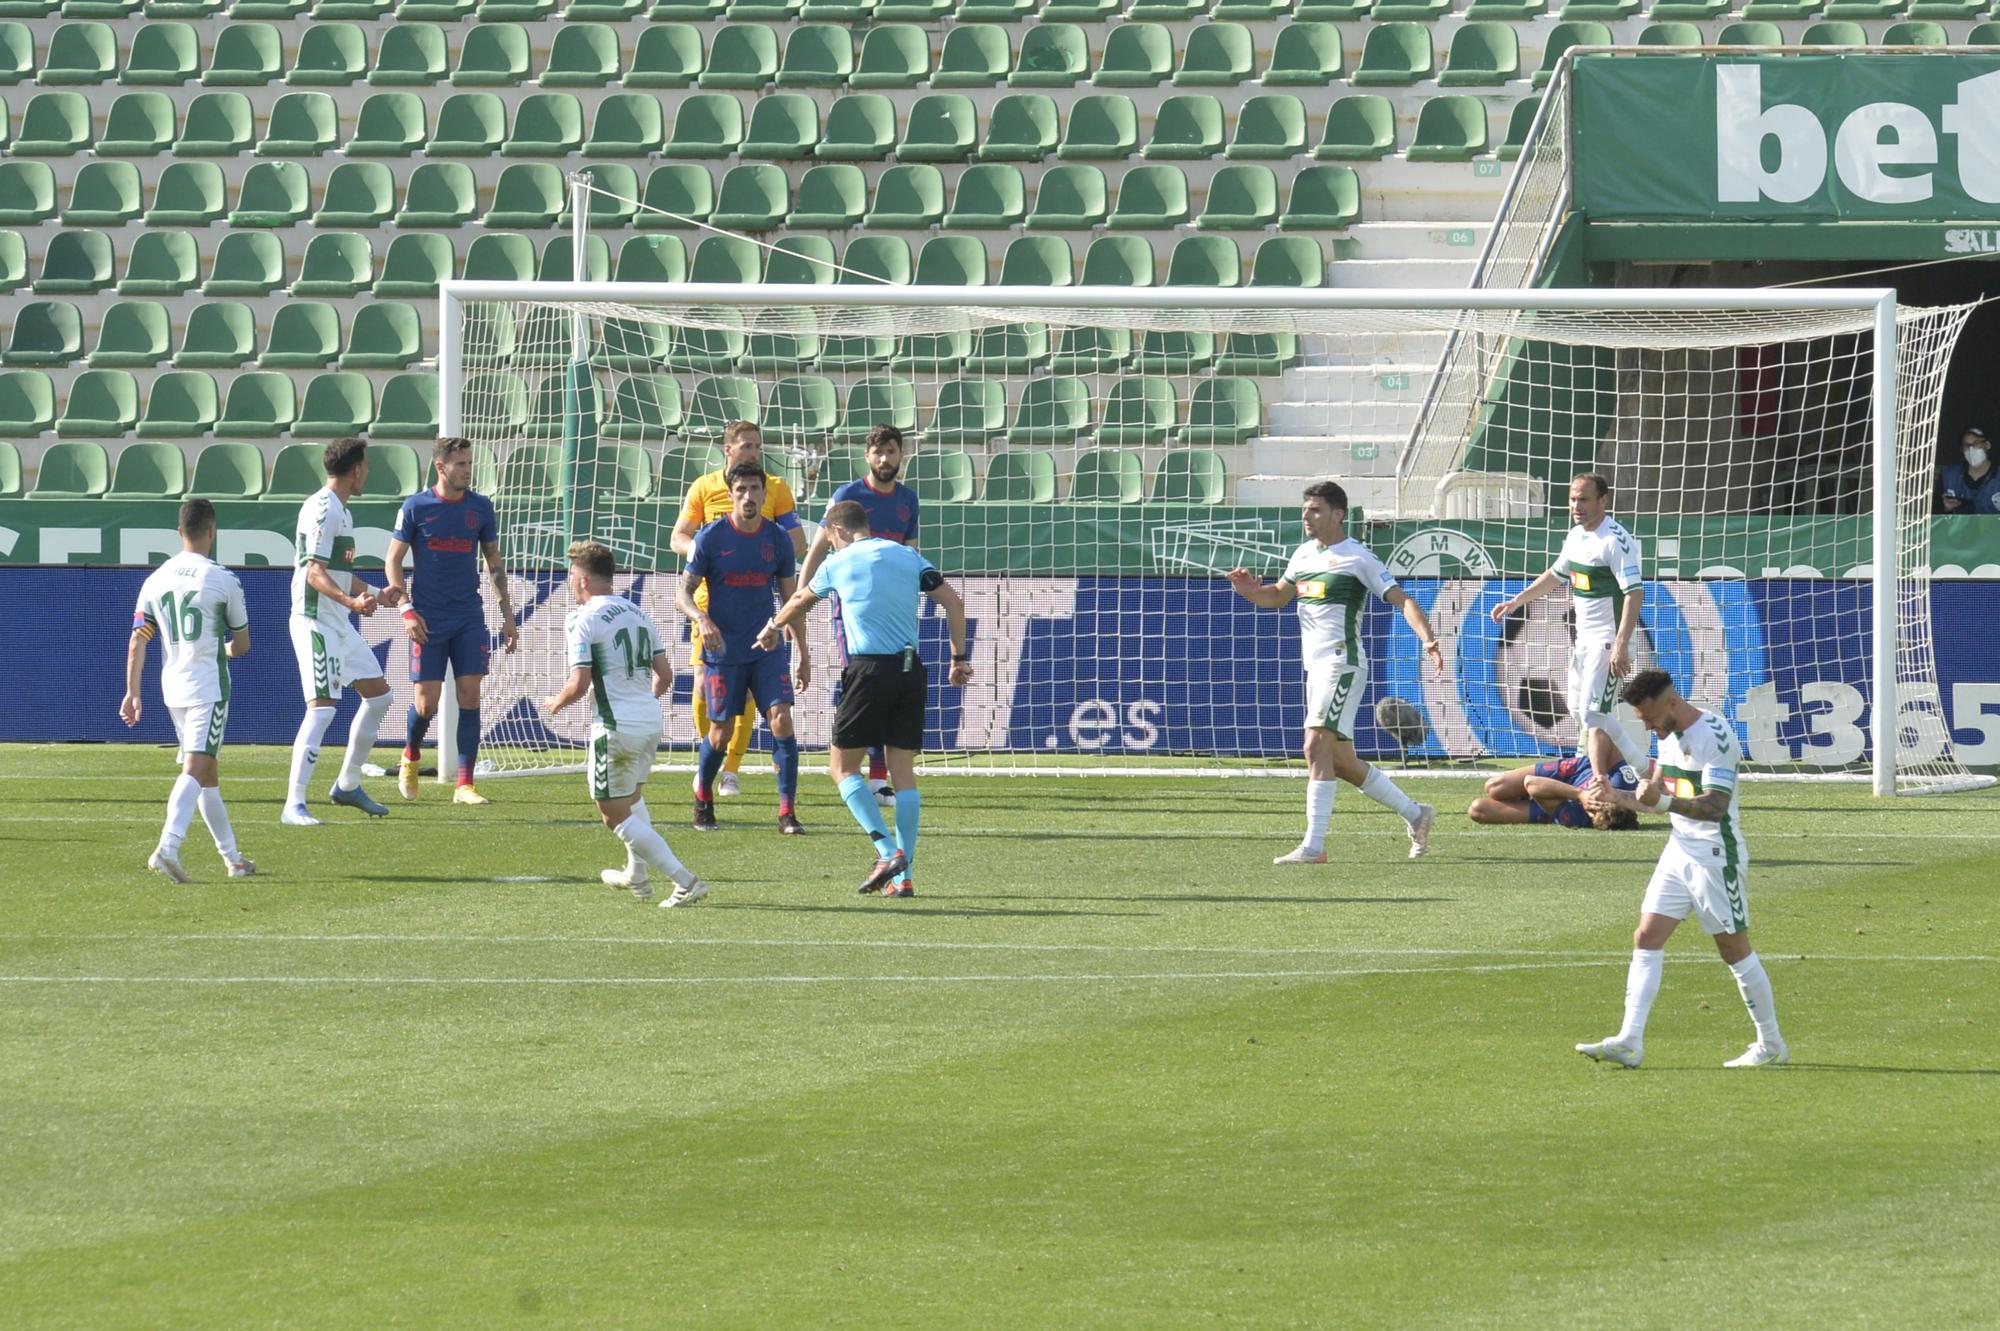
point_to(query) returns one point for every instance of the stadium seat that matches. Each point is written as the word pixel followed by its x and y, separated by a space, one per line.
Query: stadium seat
pixel 27 193
pixel 343 403
pixel 681 467
pixel 1020 476
pixel 1107 476
pixel 149 471
pixel 1269 127
pixel 1520 120
pixel 931 353
pixel 1191 476
pixel 1020 128
pixel 613 200
pixel 667 55
pixel 893 55
pixel 642 406
pixel 876 399
pixel 139 124
pixel 413 266
pixel 330 55
pixel 1451 128
pixel 336 263
pixel 1257 353
pixel 1165 11
pixel 105 194
pixel 298 472
pixel 188 194
pixel 227 471
pixel 991 196
pixel 304 335
pixel 358 194
pixel 1090 350
pixel 1913 32
pixel 1305 55
pixel 1052 55
pixel 875 260
pixel 162 55
pixel 546 124
pixel 17 61
pixel 629 124
pixel 1079 11
pixel 218 124
pixel 528 196
pixel 409 407
pixel 383 335
pixel 1069 198
pixel 162 263
pixel 1671 34
pixel 246 55
pixel 951 261
pixel 800 409
pixel 1187 128
pixel 133 335
pixel 860 127
pixel 941 128
pixel 1750 33
pixel 558 263
pixel 1217 55
pixel 1561 37
pixel 13 262
pixel 582 55
pixel 78 54
pixel 1101 127
pixel 363 10
pixel 440 194
pixel 1118 261
pixel 1136 55
pixel 1481 55
pixel 1290 261
pixel 941 476
pixel 1508 11
pixel 832 197
pixel 706 125
pixel 995 11
pixel 44 332
pixel 220 335
pixel 1139 411
pixel 817 55
pixel 302 124
pixel 100 402
pixel 1323 198
pixel 837 11
pixel 495 55
pixel 68 471
pixel 390 124
pixel 973 56
pixel 1411 11
pixel 907 197
pixel 55 124
pixel 1182 352
pixel 678 195
pixel 740 55
pixel 1222 411
pixel 75 262
pixel 412 55
pixel 1361 127
pixel 753 197
pixel 716 401
pixel 727 259
pixel 784 126
pixel 1053 411
pixel 687 10
pixel 247 263
pixel 260 404
pixel 1773 10
pixel 968 411
pixel 1150 198
pixel 469 124
pixel 27 403
pixel 1205 261
pixel 181 404
pixel 271 9
pixel 1394 55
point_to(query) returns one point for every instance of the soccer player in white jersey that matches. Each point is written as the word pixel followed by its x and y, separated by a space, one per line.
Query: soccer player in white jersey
pixel 332 655
pixel 1331 576
pixel 1600 561
pixel 1701 872
pixel 194 606
pixel 618 659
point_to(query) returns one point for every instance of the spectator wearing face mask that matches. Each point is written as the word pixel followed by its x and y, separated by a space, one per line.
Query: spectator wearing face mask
pixel 1971 486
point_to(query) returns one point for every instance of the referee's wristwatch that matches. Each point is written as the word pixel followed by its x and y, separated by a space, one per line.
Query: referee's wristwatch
pixel 957 658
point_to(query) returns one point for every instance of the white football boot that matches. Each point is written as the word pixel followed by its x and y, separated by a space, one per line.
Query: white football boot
pixel 1300 856
pixel 1610 1051
pixel 1420 831
pixel 1762 1055
pixel 167 864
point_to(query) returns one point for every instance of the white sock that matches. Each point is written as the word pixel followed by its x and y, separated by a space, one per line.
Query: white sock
pixel 632 860
pixel 1755 986
pixel 1629 746
pixel 641 840
pixel 361 739
pixel 1319 812
pixel 1642 985
pixel 1388 794
pixel 305 752
pixel 217 817
pixel 180 812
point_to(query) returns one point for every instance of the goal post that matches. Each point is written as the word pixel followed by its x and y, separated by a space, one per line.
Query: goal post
pixel 1090 460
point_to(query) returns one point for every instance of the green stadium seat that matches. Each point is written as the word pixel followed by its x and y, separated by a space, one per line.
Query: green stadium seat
pixel 27 193
pixel 188 194
pixel 968 411
pixel 1305 55
pixel 1090 350
pixel 440 194
pixel 1911 32
pixel 781 12
pixel 1269 127
pixel 837 11
pixel 628 124
pixel 558 262
pixel 69 471
pixel 694 11
pixel 1187 128
pixel 181 404
pixel 139 124
pixel 302 124
pixel 408 407
pixel 706 125
pixel 298 472
pixel 613 199
pixel 330 55
pixel 469 124
pixel 630 472
pixel 1118 261
pixel 740 55
pixel 1481 55
pixel 973 57
pixel 1020 128
pixel 102 403
pixel 27 404
pixel 1561 37
pixel 753 197
pixel 1191 476
pixel 414 265
pixel 390 124
pixel 667 55
pixel 218 124
pixel 1020 476
pixel 55 124
pixel 105 194
pixel 678 195
pixel 80 53
pixel 832 197
pixel 528 196
pixel 29 8
pixel 1150 198
pixel 17 59
pixel 384 335
pixel 133 335
pixel 1069 198
pixel 270 9
pixel 162 263
pixel 913 11
pixel 1394 55
pixel 546 124
pixel 817 55
pixel 1451 128
pixel 991 196
pixel 907 197
pixel 1102 127
pixel 343 403
pixel 13 261
pixel 1951 9
pixel 495 55
pixel 1507 11
pixel 1773 10
pixel 336 263
pixel 784 126
pixel 1107 476
pixel 1411 11
pixel 163 55
pixel 715 402
pixel 305 335
pixel 76 262
pixel 546 408
pixel 412 55
pixel 1079 11
pixel 995 11
pixel 1052 413
pixel 943 476
pixel 1750 33
pixel 45 332
pixel 680 468
pixel 260 404
pixel 363 10
pixel 642 406
pixel 1176 353
pixel 1361 127
pixel 603 11
pixel 514 11
pixel 1520 120
pixel 1222 411
pixel 876 399
pixel 1205 261
pixel 942 127
pixel 876 260
pixel 582 55
pixel 1671 34
pixel 801 261
pixel 893 55
pixel 1290 261
pixel 246 55
pixel 931 353
pixel 1217 55
pixel 227 471
pixel 1140 411
pixel 1136 55
pixel 727 259
pixel 1165 11
pixel 247 263
pixel 1323 198
pixel 801 409
pixel 358 194
pixel 951 261
pixel 860 127
pixel 1052 55
pixel 221 335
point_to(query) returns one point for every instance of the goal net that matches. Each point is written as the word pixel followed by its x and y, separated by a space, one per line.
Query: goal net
pixel 1089 462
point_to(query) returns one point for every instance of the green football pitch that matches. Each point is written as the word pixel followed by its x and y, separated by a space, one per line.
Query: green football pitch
pixel 1110 1068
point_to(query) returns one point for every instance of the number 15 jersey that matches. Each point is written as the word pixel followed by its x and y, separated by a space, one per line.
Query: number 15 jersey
pixel 616 642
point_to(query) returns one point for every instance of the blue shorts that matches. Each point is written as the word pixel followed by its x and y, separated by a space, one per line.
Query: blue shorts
pixel 728 687
pixel 465 647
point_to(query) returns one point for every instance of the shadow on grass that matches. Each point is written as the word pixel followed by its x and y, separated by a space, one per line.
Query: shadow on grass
pixel 859 902
pixel 1236 899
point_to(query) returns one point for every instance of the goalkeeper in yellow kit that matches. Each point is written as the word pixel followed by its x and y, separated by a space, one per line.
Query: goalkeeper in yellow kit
pixel 707 500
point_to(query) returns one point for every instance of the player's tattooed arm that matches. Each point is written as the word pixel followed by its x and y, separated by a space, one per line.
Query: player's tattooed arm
pixel 1711 806
pixel 496 572
pixel 684 591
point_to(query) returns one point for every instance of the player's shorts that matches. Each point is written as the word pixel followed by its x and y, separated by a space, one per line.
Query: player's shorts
pixel 1590 686
pixel 881 703
pixel 199 727
pixel 1706 881
pixel 726 688
pixel 620 761
pixel 331 659
pixel 1333 696
pixel 466 647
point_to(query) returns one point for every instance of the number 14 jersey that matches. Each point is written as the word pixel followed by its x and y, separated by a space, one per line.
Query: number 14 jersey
pixel 616 641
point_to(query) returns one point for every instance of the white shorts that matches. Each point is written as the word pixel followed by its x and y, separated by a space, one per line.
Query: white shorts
pixel 1333 696
pixel 1590 687
pixel 1705 881
pixel 620 761
pixel 330 659
pixel 199 727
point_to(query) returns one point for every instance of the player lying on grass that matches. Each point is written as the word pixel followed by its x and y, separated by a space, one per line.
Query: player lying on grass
pixel 1552 792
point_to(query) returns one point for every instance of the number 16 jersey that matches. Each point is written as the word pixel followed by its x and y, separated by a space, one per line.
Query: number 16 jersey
pixel 193 605
pixel 616 641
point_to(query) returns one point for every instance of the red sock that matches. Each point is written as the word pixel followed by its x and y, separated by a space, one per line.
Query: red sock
pixel 410 755
pixel 878 768
pixel 785 805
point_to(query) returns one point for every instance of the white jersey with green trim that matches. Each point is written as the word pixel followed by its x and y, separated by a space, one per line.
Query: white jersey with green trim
pixel 1332 582
pixel 616 641
pixel 325 536
pixel 1600 566
pixel 192 605
pixel 1699 759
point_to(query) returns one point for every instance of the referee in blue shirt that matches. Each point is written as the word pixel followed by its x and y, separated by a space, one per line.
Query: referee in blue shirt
pixel 884 687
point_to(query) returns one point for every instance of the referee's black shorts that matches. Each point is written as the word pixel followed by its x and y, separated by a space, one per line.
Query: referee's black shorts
pixel 881 703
